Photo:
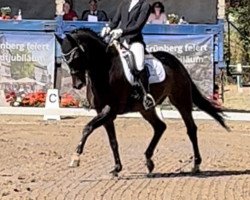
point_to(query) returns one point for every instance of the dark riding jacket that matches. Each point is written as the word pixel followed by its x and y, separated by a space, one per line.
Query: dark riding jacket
pixel 131 22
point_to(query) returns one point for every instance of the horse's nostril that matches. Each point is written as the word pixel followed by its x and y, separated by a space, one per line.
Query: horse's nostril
pixel 78 86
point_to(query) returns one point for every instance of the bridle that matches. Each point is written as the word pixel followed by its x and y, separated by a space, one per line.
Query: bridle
pixel 71 54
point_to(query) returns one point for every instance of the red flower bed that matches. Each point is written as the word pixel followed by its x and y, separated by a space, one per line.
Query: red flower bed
pixel 38 99
pixel 68 100
pixel 34 99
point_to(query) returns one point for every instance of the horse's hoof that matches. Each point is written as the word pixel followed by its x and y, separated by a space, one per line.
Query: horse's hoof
pixel 75 161
pixel 150 165
pixel 150 175
pixel 196 169
pixel 114 173
pixel 116 170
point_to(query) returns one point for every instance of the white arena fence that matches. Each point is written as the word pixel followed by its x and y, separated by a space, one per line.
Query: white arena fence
pixel 166 114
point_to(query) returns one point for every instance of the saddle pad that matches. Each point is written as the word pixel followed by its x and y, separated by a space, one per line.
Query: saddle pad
pixel 155 68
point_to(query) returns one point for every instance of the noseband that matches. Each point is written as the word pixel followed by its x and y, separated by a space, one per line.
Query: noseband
pixel 71 54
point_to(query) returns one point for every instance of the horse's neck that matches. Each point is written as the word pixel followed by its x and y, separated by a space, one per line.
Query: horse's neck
pixel 105 70
pixel 102 61
pixel 99 71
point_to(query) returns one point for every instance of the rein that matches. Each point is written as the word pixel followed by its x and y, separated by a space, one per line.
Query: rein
pixel 108 38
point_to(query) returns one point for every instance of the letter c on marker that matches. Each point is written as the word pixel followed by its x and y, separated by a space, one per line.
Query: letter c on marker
pixel 52 98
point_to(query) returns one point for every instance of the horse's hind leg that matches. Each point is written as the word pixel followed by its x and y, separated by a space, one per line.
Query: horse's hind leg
pixel 185 109
pixel 159 127
pixel 110 128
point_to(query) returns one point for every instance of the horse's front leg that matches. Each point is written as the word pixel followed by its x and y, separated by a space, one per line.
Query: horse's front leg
pixel 110 128
pixel 102 117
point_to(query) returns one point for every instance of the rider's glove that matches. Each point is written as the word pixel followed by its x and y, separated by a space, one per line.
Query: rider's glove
pixel 105 31
pixel 116 33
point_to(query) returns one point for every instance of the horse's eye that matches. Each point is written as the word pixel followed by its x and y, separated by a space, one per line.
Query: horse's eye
pixel 76 54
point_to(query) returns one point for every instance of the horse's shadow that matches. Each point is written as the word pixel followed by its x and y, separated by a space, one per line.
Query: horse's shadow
pixel 201 174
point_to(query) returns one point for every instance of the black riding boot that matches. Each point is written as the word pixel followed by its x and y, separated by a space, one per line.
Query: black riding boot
pixel 142 78
pixel 148 99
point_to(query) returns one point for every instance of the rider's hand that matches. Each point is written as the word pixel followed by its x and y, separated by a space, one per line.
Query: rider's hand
pixel 105 31
pixel 116 33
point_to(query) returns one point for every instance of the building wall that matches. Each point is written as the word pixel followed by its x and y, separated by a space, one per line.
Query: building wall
pixel 32 9
pixel 221 9
pixel 5 70
pixel 195 11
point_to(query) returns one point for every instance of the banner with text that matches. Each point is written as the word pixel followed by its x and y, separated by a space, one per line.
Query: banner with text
pixel 26 68
pixel 194 51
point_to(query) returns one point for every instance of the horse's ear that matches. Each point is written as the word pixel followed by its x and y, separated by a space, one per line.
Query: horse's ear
pixel 70 38
pixel 59 39
pixel 73 40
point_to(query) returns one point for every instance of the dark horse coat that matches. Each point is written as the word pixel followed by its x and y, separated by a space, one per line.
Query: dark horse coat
pixel 86 53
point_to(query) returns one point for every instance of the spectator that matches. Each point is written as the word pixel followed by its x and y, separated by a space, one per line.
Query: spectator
pixel 157 15
pixel 69 13
pixel 5 13
pixel 93 14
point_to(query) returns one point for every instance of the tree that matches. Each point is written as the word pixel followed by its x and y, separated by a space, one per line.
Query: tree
pixel 238 12
pixel 22 68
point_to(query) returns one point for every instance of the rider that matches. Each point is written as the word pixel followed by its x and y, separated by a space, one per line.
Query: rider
pixel 131 16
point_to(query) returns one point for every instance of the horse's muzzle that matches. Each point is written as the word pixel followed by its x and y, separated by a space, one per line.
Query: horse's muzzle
pixel 78 83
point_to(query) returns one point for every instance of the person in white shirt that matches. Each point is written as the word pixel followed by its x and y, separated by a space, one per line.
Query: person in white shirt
pixel 157 15
pixel 93 11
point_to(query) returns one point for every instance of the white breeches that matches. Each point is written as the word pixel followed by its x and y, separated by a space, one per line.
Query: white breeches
pixel 138 51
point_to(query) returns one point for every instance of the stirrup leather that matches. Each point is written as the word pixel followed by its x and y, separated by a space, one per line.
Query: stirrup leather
pixel 148 101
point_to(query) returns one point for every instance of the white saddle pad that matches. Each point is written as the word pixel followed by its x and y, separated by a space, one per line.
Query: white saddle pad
pixel 155 68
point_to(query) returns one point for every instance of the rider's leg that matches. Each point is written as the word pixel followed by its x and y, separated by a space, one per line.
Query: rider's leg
pixel 138 51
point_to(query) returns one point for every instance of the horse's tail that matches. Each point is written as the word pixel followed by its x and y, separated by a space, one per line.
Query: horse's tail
pixel 198 99
pixel 204 104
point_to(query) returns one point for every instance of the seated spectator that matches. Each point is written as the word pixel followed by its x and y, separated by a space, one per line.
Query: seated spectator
pixel 69 13
pixel 5 13
pixel 157 15
pixel 93 14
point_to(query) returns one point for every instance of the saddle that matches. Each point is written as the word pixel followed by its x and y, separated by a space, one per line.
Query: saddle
pixel 153 67
pixel 140 80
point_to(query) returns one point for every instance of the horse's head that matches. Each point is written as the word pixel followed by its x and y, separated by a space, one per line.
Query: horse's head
pixel 85 52
pixel 73 54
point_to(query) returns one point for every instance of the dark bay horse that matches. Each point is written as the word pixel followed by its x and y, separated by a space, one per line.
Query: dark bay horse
pixel 88 55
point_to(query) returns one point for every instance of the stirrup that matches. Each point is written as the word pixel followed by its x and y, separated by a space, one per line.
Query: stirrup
pixel 148 101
